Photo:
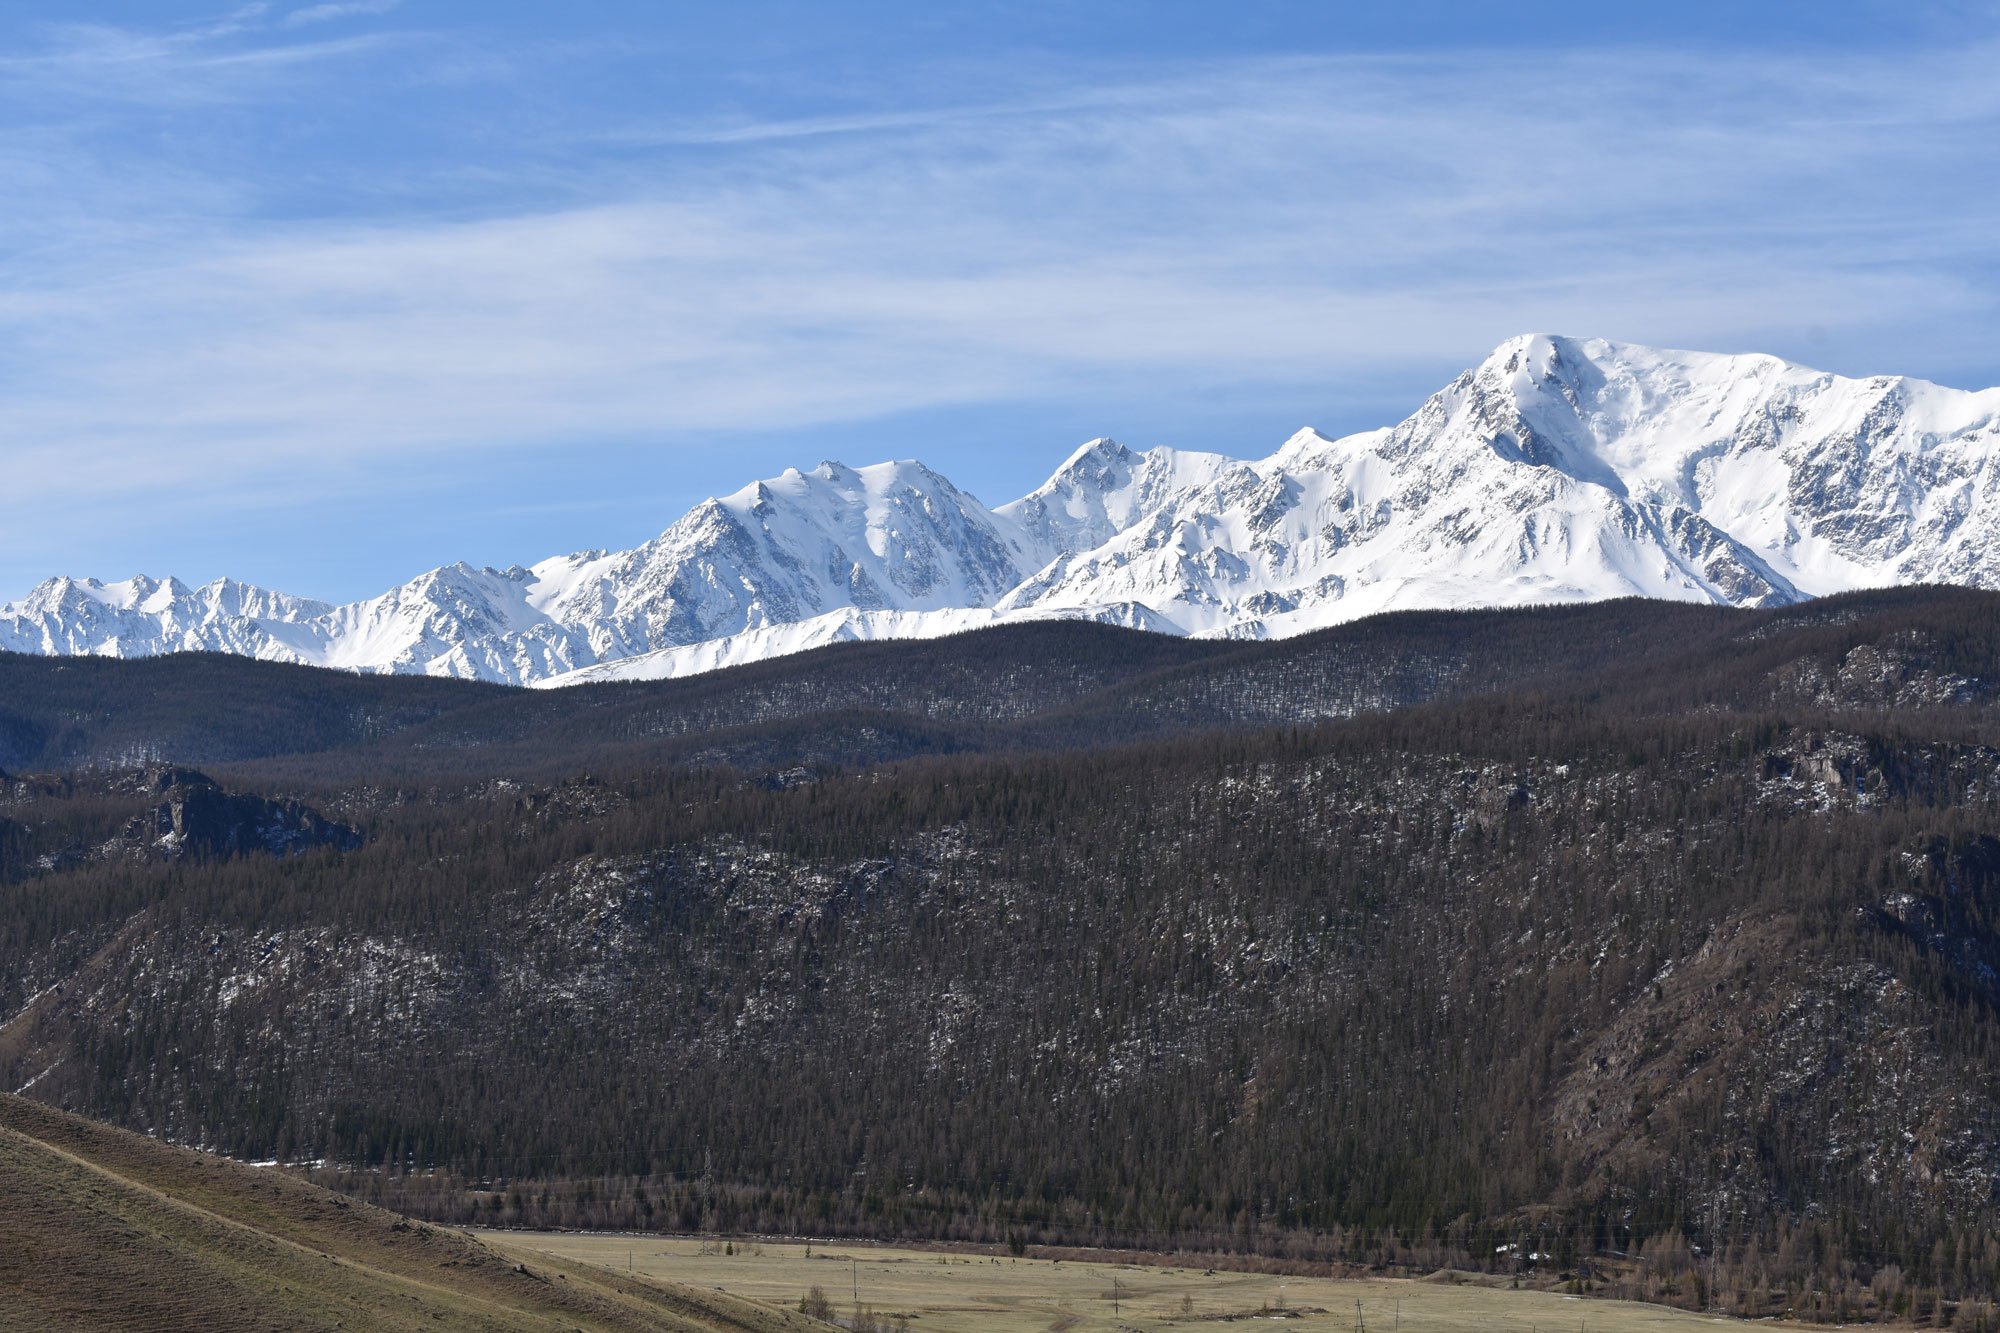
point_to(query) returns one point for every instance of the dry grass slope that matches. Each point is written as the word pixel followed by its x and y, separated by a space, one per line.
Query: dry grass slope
pixel 102 1229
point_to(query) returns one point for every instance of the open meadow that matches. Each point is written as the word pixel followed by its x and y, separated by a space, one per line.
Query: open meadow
pixel 963 1293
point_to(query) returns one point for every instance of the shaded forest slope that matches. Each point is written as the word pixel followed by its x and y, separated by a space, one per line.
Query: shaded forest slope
pixel 1580 933
pixel 1049 685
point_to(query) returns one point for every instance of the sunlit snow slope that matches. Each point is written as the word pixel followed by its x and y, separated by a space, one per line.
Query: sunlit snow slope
pixel 1557 470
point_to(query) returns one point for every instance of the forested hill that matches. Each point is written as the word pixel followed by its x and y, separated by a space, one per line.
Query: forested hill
pixel 1061 684
pixel 1661 942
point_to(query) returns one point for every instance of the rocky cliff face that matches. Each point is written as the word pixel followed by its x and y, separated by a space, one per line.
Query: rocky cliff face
pixel 196 817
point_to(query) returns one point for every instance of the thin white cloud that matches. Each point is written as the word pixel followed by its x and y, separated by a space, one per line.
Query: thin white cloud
pixel 244 18
pixel 742 131
pixel 97 63
pixel 346 9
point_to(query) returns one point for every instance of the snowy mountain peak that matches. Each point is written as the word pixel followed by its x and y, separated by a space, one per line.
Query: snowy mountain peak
pixel 1555 469
pixel 1102 489
pixel 1098 453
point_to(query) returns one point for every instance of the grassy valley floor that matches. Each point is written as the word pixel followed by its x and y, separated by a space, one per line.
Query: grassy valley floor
pixel 958 1293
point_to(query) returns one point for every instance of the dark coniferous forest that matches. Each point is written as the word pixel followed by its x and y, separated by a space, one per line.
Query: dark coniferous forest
pixel 1646 948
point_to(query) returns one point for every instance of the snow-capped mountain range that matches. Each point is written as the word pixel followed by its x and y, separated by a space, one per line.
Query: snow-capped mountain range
pixel 1556 470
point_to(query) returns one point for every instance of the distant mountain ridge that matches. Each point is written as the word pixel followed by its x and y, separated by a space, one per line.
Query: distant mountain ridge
pixel 1557 470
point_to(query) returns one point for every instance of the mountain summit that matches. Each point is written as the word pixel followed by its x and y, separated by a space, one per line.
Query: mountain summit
pixel 1556 470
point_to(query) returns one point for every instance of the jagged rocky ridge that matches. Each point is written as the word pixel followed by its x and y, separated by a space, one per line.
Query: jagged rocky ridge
pixel 1557 470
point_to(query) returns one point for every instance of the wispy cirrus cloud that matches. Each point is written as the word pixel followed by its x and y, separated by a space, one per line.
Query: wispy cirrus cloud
pixel 182 68
pixel 344 9
pixel 1332 221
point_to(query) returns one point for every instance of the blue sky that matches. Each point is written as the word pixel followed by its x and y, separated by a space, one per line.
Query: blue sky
pixel 321 295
